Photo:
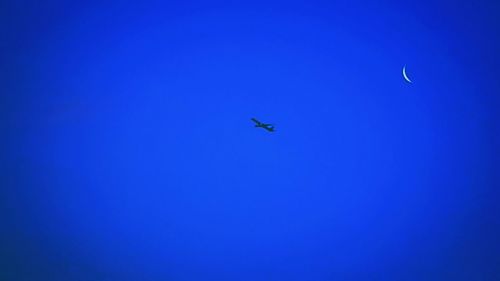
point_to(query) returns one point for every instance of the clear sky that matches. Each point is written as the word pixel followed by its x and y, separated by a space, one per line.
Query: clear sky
pixel 128 152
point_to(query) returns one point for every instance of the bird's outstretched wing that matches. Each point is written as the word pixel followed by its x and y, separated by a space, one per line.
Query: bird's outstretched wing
pixel 269 128
pixel 256 121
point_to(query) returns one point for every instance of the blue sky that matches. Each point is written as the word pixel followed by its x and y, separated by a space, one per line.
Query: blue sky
pixel 129 154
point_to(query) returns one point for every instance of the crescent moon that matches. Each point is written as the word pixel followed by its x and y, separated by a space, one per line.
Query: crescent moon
pixel 405 75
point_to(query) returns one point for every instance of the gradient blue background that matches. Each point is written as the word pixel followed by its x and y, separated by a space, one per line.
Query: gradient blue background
pixel 128 153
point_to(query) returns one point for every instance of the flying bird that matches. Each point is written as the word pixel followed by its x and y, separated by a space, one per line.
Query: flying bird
pixel 268 127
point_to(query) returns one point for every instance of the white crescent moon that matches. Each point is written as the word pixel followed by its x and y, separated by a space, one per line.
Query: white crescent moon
pixel 406 76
